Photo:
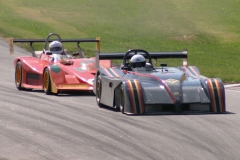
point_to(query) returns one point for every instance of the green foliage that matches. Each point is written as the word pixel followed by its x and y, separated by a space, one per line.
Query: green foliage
pixel 209 29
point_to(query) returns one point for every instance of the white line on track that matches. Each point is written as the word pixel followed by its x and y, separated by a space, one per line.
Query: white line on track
pixel 232 90
pixel 231 85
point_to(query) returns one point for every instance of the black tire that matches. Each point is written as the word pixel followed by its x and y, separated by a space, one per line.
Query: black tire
pixel 47 82
pixel 99 91
pixel 122 100
pixel 18 76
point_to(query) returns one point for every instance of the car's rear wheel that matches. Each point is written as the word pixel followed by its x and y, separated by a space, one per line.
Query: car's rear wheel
pixel 122 100
pixel 99 91
pixel 18 76
pixel 46 81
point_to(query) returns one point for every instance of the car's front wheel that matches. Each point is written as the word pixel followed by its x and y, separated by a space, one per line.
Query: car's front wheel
pixel 18 75
pixel 46 81
pixel 99 91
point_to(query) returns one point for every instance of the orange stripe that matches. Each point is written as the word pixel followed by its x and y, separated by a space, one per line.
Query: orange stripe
pixel 162 82
pixel 140 98
pixel 186 70
pixel 189 69
pixel 132 97
pixel 106 71
pixel 169 92
pixel 115 73
pixel 221 98
pixel 193 69
pixel 212 95
pixel 218 92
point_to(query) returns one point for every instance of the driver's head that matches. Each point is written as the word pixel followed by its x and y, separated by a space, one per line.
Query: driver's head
pixel 55 47
pixel 137 61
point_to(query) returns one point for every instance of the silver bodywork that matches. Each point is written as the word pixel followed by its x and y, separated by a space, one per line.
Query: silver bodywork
pixel 163 89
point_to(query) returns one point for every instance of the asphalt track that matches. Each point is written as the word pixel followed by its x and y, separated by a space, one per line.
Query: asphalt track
pixel 71 126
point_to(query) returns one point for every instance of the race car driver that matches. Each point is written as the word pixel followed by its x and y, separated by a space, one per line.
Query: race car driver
pixel 138 61
pixel 56 47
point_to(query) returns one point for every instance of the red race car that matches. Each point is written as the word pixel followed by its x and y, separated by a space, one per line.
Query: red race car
pixel 53 69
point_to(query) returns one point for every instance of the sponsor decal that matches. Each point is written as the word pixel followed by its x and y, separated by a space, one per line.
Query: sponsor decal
pixel 172 81
pixel 176 93
pixel 55 68
pixel 69 86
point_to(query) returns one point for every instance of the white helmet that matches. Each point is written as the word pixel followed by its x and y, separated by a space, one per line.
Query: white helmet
pixel 55 47
pixel 138 61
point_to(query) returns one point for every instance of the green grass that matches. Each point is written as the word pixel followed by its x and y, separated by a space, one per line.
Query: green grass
pixel 209 29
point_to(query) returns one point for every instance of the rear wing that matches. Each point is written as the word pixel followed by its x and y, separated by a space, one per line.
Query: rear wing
pixel 154 55
pixel 48 40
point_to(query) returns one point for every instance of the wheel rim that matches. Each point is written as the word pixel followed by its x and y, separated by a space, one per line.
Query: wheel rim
pixel 98 91
pixel 18 75
pixel 45 81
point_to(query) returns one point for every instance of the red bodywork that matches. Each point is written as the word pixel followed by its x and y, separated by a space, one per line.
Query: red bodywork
pixel 71 74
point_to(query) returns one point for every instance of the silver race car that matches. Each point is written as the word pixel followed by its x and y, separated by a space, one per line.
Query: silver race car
pixel 139 87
